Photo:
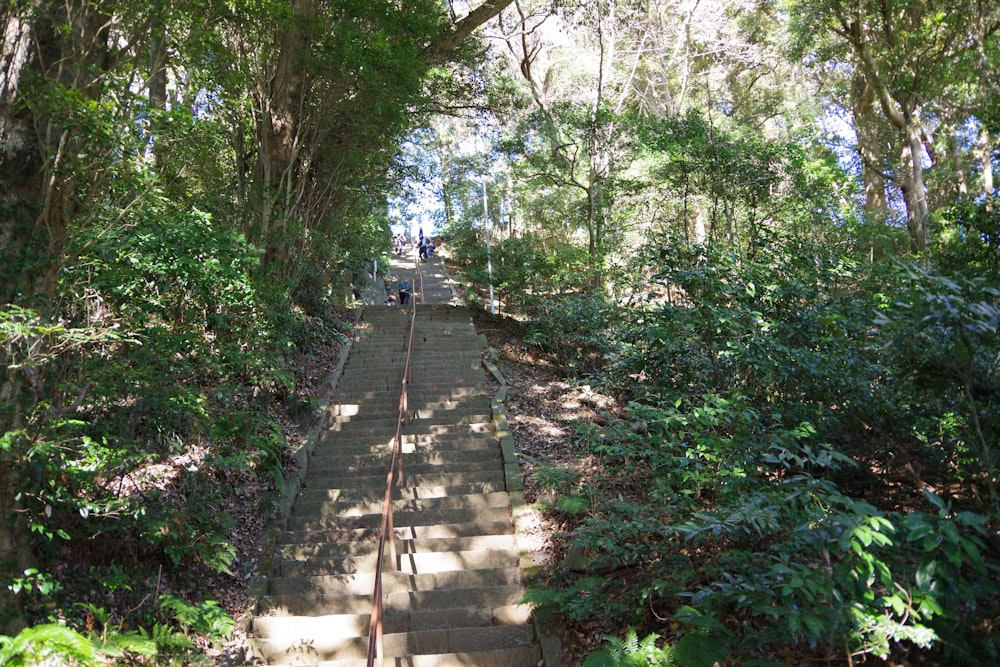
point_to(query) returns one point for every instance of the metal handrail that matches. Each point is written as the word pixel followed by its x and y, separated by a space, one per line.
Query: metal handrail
pixel 376 647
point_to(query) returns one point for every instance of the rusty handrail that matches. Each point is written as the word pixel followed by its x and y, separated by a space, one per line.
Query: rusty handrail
pixel 376 648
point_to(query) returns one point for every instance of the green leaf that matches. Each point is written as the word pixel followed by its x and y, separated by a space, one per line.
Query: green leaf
pixel 924 576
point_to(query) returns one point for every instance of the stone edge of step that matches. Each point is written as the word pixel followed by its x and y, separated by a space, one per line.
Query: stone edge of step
pixel 530 563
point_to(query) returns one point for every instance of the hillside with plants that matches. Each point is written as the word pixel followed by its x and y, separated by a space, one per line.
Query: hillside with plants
pixel 758 242
pixel 744 256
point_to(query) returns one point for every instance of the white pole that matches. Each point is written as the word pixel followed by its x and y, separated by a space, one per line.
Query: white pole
pixel 489 254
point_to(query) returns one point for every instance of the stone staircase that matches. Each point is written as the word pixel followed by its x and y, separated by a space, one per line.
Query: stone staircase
pixel 452 595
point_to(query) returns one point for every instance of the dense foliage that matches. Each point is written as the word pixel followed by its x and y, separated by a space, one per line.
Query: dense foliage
pixel 188 190
pixel 802 460
pixel 772 237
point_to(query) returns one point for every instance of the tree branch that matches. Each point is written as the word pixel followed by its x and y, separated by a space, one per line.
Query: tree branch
pixel 453 35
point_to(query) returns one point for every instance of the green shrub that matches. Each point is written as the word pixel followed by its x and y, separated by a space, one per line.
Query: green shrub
pixel 779 545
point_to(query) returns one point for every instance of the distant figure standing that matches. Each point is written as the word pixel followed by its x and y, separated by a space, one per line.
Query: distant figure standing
pixel 404 293
pixel 423 250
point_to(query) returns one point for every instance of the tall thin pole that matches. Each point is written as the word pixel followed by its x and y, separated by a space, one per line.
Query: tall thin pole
pixel 489 253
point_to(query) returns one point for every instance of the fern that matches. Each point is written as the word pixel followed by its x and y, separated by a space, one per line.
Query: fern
pixel 542 598
pixel 573 505
pixel 49 643
pixel 206 618
pixel 631 652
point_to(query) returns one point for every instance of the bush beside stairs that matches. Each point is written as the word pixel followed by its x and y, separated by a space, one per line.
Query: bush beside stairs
pixel 452 596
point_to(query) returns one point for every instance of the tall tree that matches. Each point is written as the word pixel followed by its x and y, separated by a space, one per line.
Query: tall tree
pixel 115 114
pixel 577 90
pixel 50 50
pixel 597 72
pixel 909 55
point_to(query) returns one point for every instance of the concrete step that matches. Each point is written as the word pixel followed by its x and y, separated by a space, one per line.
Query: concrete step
pixel 434 370
pixel 444 392
pixel 374 321
pixel 318 604
pixel 425 362
pixel 319 506
pixel 411 464
pixel 345 443
pixel 362 583
pixel 319 494
pixel 395 340
pixel 401 519
pixel 361 454
pixel 426 562
pixel 388 386
pixel 301 545
pixel 440 388
pixel 414 406
pixel 408 479
pixel 421 642
pixel 393 621
pixel 459 385
pixel 416 428
pixel 424 353
pixel 420 430
pixel 389 417
pixel 366 458
pixel 415 401
pixel 520 656
pixel 373 317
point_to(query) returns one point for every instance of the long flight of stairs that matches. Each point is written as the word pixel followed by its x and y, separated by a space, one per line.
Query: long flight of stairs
pixel 452 596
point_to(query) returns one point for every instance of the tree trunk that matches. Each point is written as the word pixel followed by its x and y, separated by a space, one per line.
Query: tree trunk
pixel 158 60
pixel 55 45
pixel 279 125
pixel 14 545
pixel 985 157
pixel 960 185
pixel 20 157
pixel 914 191
pixel 455 33
pixel 869 139
pixel 903 114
